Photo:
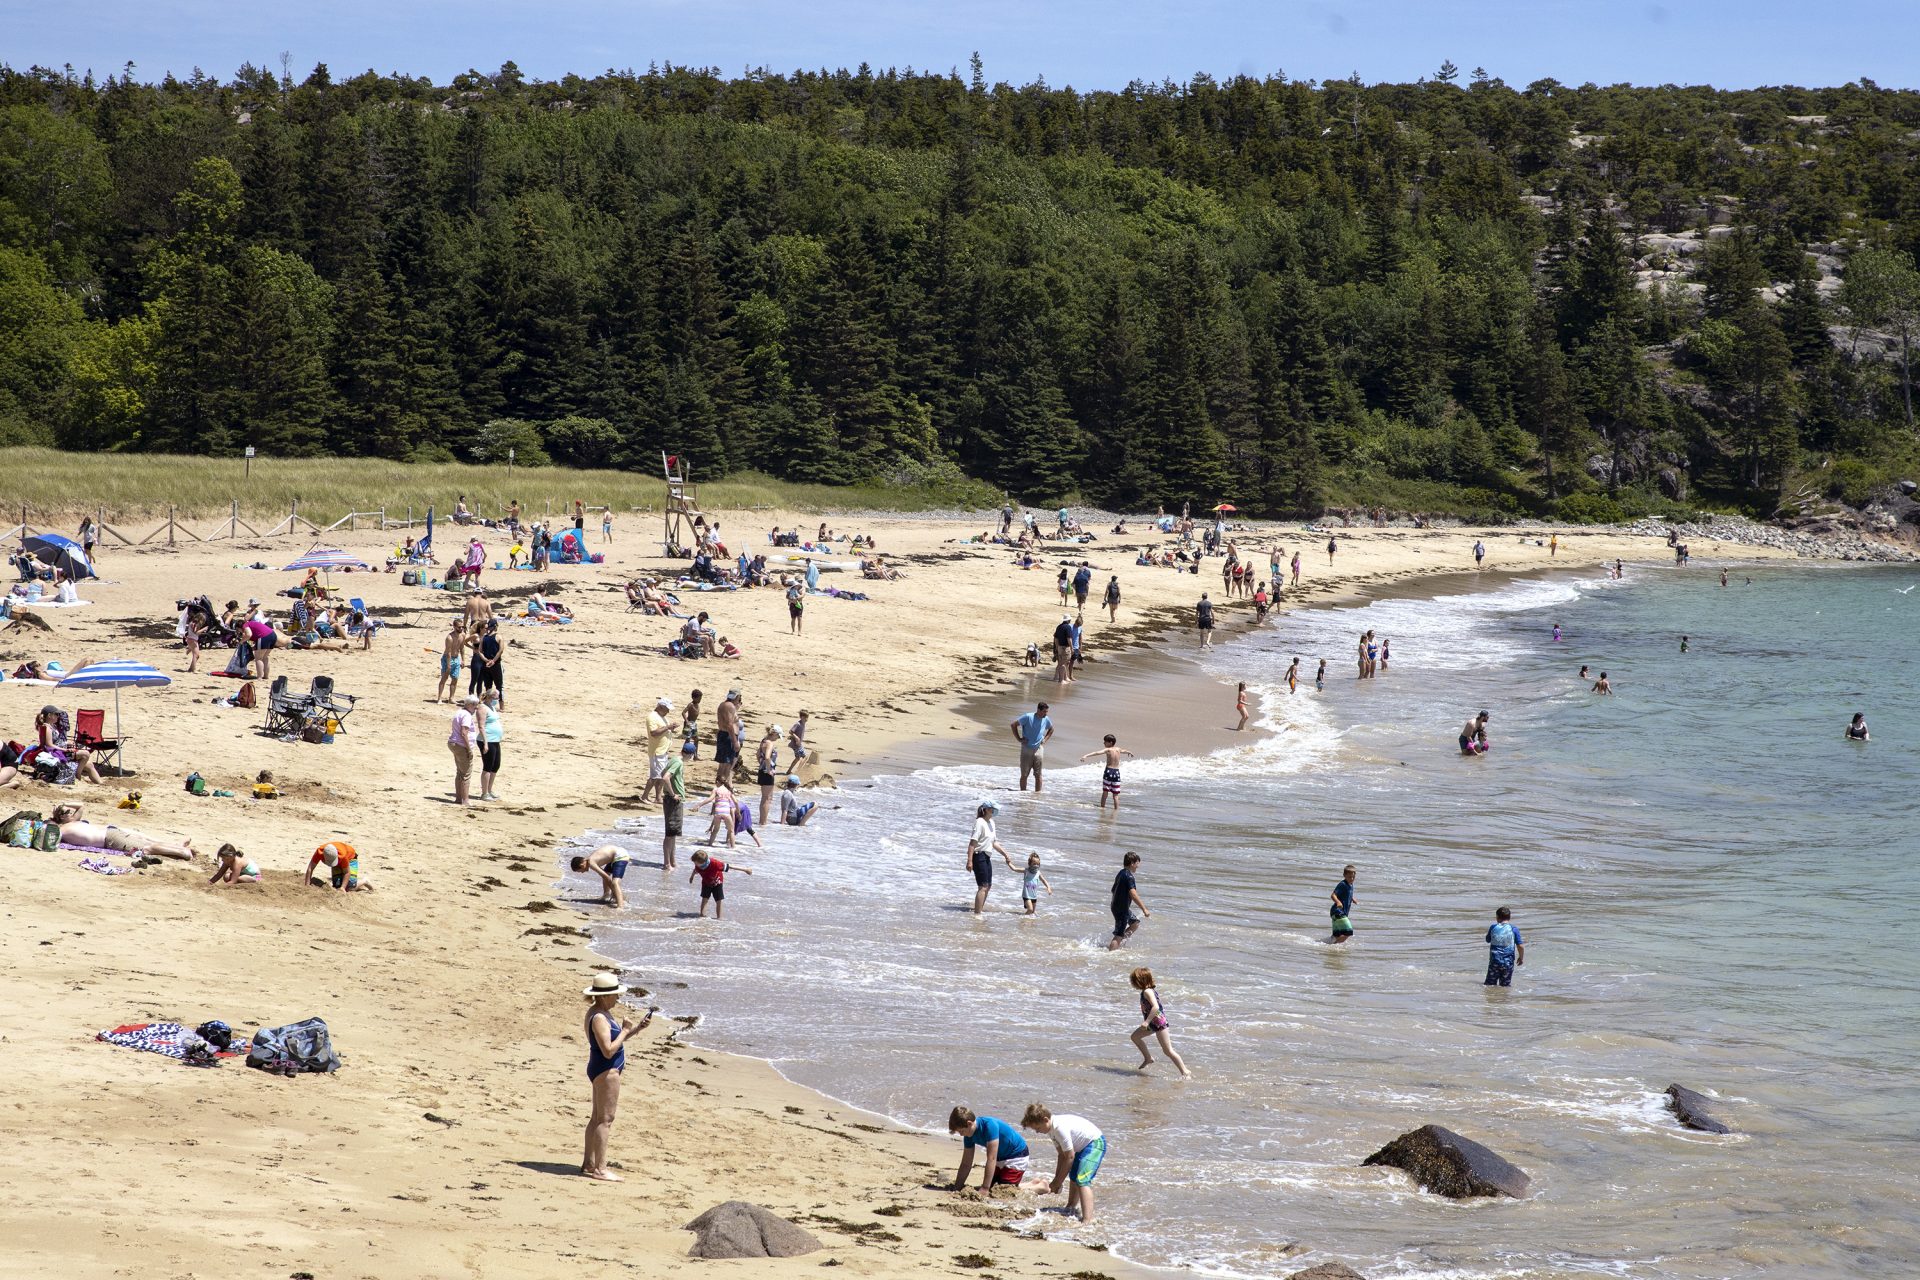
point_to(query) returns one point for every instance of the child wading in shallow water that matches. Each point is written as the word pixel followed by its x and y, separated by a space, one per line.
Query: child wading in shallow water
pixel 1504 949
pixel 1341 908
pixel 1110 776
pixel 1032 883
pixel 1153 1023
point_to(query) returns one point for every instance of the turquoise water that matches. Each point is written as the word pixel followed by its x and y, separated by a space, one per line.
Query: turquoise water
pixel 1715 888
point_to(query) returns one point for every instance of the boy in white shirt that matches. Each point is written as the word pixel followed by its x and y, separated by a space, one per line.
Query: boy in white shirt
pixel 1080 1148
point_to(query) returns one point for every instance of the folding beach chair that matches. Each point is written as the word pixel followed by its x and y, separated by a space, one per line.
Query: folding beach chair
pixel 324 701
pixel 90 734
pixel 286 712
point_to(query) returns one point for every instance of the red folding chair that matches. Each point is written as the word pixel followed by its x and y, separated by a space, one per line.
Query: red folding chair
pixel 90 734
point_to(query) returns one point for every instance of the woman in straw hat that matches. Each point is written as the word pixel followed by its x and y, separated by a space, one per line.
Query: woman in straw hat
pixel 606 1059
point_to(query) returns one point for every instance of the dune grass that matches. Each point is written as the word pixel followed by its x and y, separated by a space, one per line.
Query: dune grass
pixel 135 490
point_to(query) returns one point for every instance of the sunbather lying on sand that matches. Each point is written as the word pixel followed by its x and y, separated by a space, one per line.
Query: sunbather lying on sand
pixel 77 831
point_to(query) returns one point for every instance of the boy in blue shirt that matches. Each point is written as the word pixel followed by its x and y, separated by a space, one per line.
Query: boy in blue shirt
pixel 1341 907
pixel 1504 949
pixel 1005 1150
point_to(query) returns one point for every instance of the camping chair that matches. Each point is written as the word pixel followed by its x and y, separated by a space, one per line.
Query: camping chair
pixel 324 701
pixel 286 712
pixel 89 734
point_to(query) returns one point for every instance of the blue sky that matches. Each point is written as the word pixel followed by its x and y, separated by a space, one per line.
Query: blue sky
pixel 1089 44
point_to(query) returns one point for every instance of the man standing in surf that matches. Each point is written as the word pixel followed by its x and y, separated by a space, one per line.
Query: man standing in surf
pixel 1031 731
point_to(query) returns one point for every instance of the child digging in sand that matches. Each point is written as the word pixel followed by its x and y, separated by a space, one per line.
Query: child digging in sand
pixel 1153 1023
pixel 1110 775
pixel 233 867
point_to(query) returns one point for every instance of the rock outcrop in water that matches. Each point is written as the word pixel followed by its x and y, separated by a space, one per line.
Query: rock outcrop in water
pixel 1447 1164
pixel 737 1229
pixel 1694 1110
pixel 1328 1271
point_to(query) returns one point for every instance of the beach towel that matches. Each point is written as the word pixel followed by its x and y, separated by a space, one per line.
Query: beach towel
pixel 102 867
pixel 169 1040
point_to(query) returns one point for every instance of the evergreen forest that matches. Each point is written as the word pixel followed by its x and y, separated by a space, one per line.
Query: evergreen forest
pixel 1453 295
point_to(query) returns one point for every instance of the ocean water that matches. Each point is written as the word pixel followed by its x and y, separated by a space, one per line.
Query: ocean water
pixel 1714 888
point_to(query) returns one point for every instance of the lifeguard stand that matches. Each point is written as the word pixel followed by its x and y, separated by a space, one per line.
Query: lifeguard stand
pixel 683 502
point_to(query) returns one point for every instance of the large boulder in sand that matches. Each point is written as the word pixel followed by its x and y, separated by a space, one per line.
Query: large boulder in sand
pixel 1447 1164
pixel 737 1229
pixel 1694 1110
pixel 1328 1271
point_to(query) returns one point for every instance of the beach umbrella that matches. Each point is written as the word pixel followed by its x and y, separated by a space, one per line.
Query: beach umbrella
pixel 326 560
pixel 116 674
pixel 1227 508
pixel 63 553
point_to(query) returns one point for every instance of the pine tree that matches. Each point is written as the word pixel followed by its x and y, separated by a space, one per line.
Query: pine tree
pixel 1547 406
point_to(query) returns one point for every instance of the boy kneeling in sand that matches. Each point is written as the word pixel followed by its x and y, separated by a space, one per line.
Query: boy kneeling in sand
pixel 609 862
pixel 1003 1150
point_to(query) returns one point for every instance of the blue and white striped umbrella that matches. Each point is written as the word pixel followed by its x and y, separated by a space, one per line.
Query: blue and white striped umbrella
pixel 116 674
pixel 325 558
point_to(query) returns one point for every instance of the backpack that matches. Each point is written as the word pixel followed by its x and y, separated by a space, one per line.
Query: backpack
pixel 19 830
pixel 246 697
pixel 197 784
pixel 295 1048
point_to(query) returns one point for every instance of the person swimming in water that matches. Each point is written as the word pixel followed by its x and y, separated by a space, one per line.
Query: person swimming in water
pixel 1473 736
pixel 1857 731
pixel 1602 685
pixel 1583 671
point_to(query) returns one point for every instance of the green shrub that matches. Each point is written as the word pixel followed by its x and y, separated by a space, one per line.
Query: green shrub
pixel 1590 508
pixel 1853 481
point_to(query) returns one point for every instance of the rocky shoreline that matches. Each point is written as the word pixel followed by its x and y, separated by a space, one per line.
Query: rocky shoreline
pixel 1813 538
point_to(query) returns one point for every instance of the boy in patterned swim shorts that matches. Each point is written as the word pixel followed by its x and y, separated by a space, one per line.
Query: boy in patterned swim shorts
pixel 1110 774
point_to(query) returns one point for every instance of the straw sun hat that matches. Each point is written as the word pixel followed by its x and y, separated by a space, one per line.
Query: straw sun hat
pixel 605 984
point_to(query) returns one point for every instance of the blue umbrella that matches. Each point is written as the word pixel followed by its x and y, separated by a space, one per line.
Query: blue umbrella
pixel 63 553
pixel 115 674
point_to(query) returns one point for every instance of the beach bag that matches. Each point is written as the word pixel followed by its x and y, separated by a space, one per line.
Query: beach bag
pixel 196 784
pixel 409 577
pixel 46 837
pixel 246 697
pixel 19 830
pixel 293 1049
pixel 313 733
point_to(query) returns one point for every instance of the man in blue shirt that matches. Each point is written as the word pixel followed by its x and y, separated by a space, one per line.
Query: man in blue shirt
pixel 1003 1150
pixel 1082 581
pixel 1031 731
pixel 1504 949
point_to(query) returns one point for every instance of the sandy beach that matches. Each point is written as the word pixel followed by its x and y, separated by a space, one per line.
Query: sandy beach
pixel 450 1143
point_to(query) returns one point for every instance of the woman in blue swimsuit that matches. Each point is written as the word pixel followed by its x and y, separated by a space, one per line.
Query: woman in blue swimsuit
pixel 606 1059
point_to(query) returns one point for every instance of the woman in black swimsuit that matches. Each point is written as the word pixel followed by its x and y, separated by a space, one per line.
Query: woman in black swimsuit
pixel 606 1059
